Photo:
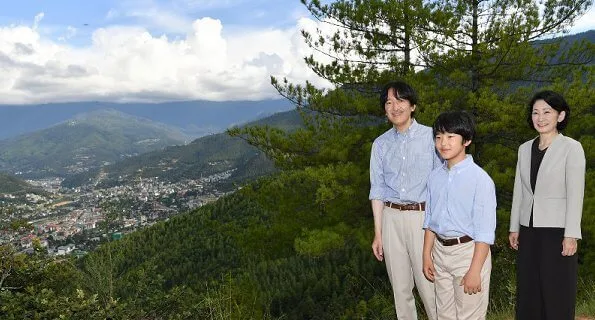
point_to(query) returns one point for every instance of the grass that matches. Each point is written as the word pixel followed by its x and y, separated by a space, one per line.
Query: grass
pixel 585 309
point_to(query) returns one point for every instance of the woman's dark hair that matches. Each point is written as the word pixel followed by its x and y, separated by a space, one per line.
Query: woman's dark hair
pixel 402 90
pixel 554 100
pixel 459 122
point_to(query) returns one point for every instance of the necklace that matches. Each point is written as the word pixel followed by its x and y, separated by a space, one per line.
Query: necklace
pixel 544 144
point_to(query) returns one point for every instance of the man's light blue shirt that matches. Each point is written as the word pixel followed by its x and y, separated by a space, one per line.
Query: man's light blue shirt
pixel 400 164
pixel 461 201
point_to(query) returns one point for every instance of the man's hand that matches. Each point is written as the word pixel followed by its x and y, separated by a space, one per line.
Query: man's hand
pixel 471 282
pixel 513 238
pixel 569 246
pixel 377 248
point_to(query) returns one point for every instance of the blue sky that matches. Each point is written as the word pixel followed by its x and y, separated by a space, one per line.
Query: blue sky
pixel 155 50
pixel 173 17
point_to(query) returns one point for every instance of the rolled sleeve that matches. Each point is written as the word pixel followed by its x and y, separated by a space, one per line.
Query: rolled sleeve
pixel 428 213
pixel 377 184
pixel 484 215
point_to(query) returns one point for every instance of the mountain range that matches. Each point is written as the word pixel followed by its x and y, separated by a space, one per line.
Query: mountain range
pixel 202 157
pixel 107 147
pixel 193 118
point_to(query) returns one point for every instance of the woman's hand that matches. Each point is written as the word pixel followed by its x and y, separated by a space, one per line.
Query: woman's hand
pixel 513 238
pixel 569 246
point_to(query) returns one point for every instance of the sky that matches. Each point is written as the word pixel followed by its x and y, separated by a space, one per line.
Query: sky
pixel 155 50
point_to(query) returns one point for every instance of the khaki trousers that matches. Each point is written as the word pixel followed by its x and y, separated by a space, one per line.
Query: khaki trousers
pixel 451 264
pixel 403 240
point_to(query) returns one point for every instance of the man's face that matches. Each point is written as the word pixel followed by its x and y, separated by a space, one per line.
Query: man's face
pixel 398 110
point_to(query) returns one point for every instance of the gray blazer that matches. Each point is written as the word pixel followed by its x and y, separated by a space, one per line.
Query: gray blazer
pixel 559 190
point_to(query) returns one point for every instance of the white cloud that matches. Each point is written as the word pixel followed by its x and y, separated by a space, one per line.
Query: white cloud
pixel 127 63
pixel 112 14
pixel 585 22
pixel 70 32
pixel 37 20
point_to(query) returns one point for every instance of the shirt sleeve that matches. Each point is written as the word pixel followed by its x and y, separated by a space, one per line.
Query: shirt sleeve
pixel 484 210
pixel 377 184
pixel 428 213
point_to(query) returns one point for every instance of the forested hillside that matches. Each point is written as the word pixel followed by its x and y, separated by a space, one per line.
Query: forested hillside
pixel 10 185
pixel 296 245
pixel 202 157
pixel 85 142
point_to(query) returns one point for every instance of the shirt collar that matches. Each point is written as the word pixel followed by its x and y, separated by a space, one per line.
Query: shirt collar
pixel 409 132
pixel 461 165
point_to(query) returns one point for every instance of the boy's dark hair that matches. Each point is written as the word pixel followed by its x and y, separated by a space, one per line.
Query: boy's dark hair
pixel 556 101
pixel 402 91
pixel 459 122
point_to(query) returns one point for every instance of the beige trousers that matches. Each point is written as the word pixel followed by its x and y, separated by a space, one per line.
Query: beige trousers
pixel 451 264
pixel 403 240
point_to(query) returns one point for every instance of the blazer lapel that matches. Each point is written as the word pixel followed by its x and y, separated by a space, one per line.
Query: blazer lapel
pixel 526 165
pixel 546 162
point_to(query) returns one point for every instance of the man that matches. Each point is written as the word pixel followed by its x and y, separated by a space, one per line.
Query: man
pixel 401 160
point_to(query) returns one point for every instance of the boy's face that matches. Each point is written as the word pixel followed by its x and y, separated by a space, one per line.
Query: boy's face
pixel 398 111
pixel 451 147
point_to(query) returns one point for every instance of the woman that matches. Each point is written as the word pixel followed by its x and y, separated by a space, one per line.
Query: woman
pixel 546 213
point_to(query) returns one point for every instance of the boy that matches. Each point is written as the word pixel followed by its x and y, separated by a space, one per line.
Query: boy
pixel 460 223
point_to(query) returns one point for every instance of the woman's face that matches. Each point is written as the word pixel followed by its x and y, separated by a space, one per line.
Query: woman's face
pixel 545 118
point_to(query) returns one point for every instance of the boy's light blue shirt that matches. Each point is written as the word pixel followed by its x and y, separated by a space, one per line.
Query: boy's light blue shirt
pixel 400 164
pixel 461 201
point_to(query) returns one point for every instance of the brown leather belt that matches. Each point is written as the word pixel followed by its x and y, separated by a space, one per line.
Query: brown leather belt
pixel 403 207
pixel 452 242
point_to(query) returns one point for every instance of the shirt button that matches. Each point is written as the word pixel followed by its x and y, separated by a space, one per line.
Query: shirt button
pixel 403 190
pixel 403 158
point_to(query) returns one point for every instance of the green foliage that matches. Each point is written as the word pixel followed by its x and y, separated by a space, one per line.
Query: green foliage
pixel 315 243
pixel 296 245
pixel 14 185
pixel 477 59
pixel 45 304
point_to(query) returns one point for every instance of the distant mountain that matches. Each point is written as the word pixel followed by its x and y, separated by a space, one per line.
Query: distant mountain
pixel 202 157
pixel 194 118
pixel 85 142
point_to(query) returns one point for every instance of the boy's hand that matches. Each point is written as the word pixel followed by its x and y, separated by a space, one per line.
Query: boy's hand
pixel 471 282
pixel 428 267
pixel 377 248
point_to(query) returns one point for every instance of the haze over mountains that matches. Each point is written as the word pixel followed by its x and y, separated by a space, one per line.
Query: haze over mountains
pixel 193 118
pixel 70 138
pixel 107 147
